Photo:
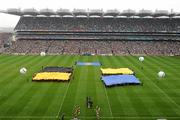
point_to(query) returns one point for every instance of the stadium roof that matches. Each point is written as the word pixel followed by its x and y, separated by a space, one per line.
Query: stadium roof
pixel 96 12
pixel 30 11
pixel 79 12
pixel 144 13
pixel 128 13
pixel 13 11
pixel 63 12
pixel 159 13
pixel 113 13
pixel 47 12
pixel 89 12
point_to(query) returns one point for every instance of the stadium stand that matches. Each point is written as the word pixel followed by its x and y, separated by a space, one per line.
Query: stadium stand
pixel 97 24
pixel 4 39
pixel 96 47
pixel 96 35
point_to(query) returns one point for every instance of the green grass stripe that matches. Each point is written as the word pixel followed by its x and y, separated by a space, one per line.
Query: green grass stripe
pixel 20 88
pixel 168 102
pixel 22 99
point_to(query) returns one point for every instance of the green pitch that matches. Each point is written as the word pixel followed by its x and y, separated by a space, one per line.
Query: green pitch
pixel 20 98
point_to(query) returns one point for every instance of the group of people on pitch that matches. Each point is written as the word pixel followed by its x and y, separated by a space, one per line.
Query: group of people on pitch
pixel 89 103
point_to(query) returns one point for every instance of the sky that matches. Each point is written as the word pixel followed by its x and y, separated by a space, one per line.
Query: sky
pixel 11 20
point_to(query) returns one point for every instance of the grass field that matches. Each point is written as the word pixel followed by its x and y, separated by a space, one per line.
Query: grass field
pixel 22 99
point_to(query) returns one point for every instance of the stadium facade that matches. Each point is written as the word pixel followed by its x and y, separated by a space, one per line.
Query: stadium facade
pixel 78 32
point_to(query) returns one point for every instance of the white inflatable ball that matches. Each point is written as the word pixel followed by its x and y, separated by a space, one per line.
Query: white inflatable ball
pixel 141 59
pixel 42 53
pixel 23 70
pixel 161 74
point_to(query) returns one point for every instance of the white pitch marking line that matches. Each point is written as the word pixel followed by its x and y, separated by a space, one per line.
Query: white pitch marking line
pixel 63 100
pixel 108 102
pixel 130 117
pixel 166 95
pixel 160 89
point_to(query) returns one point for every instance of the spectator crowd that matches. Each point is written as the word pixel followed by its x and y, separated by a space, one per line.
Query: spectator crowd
pixel 105 47
pixel 98 24
pixel 78 35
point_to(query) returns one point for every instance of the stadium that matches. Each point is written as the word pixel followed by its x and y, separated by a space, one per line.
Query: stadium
pixel 91 64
